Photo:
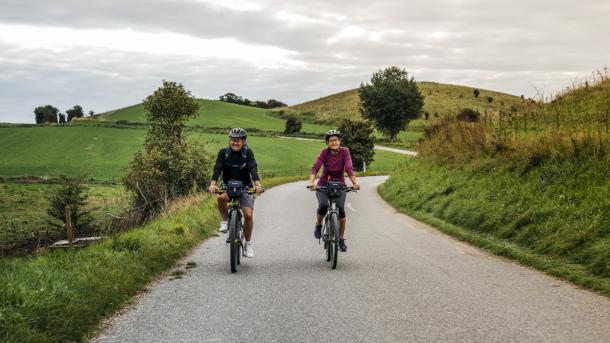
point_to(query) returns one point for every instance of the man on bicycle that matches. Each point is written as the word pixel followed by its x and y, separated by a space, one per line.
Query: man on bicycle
pixel 237 162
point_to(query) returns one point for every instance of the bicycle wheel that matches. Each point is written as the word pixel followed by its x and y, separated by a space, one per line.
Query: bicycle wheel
pixel 234 240
pixel 240 247
pixel 334 240
pixel 327 241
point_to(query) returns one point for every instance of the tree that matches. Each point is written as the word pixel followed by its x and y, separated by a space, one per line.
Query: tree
pixel 293 124
pixel 71 193
pixel 46 114
pixel 272 103
pixel 91 113
pixel 75 112
pixel 391 100
pixel 170 165
pixel 476 93
pixel 358 137
pixel 490 99
pixel 62 118
pixel 261 104
pixel 230 97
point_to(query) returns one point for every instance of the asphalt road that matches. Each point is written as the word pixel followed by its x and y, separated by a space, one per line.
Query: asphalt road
pixel 400 281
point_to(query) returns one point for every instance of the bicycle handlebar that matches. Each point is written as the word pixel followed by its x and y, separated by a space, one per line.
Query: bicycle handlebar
pixel 322 188
pixel 250 190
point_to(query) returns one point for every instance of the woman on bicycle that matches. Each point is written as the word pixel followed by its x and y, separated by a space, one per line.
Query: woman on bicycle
pixel 336 161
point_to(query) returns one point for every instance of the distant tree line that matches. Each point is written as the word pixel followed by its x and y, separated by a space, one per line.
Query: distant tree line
pixel 50 114
pixel 236 99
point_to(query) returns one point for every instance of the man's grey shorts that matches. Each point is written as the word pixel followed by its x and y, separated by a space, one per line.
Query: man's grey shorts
pixel 246 200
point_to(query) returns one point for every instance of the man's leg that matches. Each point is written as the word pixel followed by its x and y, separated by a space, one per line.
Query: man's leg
pixel 248 222
pixel 222 206
pixel 247 208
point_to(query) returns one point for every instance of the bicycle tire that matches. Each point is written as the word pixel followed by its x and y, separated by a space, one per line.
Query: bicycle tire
pixel 334 240
pixel 233 238
pixel 240 247
pixel 327 246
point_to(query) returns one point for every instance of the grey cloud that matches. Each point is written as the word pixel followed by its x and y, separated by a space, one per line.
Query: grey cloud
pixel 512 46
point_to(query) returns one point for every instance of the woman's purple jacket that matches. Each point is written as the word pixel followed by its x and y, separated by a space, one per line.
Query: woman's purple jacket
pixel 334 166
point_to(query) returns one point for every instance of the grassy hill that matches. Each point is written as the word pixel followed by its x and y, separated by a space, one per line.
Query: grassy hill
pixel 101 153
pixel 440 99
pixel 531 185
pixel 212 114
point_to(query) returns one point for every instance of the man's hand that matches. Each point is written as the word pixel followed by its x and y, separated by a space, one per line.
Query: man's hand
pixel 312 186
pixel 259 189
pixel 212 189
pixel 356 186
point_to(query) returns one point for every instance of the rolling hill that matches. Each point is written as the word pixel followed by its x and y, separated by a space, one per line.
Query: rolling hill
pixel 212 114
pixel 440 99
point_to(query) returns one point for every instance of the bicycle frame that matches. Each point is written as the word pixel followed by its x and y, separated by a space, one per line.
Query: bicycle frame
pixel 331 238
pixel 236 228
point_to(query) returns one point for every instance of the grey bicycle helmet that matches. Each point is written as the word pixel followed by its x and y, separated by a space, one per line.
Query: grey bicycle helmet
pixel 238 132
pixel 331 133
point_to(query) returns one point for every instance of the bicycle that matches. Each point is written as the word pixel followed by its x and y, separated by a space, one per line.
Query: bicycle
pixel 330 226
pixel 235 239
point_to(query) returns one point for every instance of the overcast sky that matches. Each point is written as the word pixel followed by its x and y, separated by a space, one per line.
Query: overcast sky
pixel 108 54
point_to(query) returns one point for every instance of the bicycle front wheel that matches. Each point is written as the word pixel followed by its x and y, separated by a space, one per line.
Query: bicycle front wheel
pixel 234 241
pixel 334 240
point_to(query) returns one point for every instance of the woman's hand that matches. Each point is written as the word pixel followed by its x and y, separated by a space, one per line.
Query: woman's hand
pixel 312 186
pixel 356 186
pixel 212 189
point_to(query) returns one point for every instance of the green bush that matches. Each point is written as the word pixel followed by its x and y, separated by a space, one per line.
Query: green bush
pixel 293 124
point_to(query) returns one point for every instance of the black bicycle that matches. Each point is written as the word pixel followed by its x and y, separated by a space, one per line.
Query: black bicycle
pixel 330 226
pixel 235 189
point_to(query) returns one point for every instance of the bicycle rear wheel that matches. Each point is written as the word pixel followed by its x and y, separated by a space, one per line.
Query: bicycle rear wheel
pixel 333 246
pixel 234 240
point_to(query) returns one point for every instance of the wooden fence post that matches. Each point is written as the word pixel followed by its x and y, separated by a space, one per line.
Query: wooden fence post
pixel 69 230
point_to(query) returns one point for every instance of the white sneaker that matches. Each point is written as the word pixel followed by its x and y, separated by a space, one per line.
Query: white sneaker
pixel 223 227
pixel 248 250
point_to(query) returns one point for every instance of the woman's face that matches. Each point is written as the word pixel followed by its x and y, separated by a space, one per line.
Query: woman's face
pixel 334 143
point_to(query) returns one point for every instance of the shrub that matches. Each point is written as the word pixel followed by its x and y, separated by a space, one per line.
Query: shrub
pixel 169 166
pixel 293 124
pixel 469 115
pixel 358 137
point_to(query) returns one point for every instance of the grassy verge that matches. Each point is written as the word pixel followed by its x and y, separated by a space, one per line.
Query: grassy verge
pixel 59 296
pixel 555 218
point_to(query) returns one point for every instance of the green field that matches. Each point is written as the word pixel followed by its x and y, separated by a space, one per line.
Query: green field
pixel 101 153
pixel 23 214
pixel 212 114
pixel 441 99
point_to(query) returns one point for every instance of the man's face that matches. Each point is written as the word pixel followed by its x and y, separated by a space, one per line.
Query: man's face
pixel 236 144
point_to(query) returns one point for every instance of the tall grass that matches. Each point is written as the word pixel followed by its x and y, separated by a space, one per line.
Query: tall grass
pixel 531 185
